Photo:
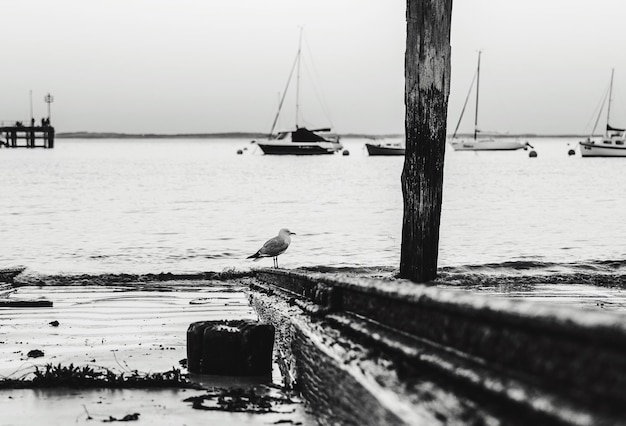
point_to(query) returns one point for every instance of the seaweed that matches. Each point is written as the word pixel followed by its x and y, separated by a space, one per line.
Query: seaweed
pixel 241 400
pixel 127 418
pixel 51 376
pixel 128 279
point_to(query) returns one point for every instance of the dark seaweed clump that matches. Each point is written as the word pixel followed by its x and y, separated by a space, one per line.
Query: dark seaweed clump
pixel 248 400
pixel 72 376
pixel 121 279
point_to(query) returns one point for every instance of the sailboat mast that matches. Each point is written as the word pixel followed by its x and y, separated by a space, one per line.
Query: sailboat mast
pixel 298 80
pixel 608 111
pixel 280 105
pixel 477 91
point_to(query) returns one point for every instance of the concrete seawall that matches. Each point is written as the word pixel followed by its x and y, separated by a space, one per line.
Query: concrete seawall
pixel 366 351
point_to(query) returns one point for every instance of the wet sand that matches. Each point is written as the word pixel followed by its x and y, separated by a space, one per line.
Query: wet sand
pixel 127 327
pixel 155 407
pixel 134 325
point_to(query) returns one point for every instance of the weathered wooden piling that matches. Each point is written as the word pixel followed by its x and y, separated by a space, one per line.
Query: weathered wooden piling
pixel 19 136
pixel 427 85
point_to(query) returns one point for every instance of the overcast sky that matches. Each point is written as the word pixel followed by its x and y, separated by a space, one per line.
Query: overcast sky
pixel 188 66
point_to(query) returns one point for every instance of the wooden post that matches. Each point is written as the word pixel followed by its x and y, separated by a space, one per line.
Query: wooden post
pixel 427 85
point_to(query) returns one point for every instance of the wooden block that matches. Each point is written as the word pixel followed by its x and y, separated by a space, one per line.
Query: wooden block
pixel 258 344
pixel 222 350
pixel 231 348
pixel 195 335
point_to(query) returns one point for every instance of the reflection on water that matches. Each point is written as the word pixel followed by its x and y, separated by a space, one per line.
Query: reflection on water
pixel 115 206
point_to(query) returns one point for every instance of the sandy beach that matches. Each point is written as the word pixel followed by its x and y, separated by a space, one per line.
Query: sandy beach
pixel 122 327
pixel 135 325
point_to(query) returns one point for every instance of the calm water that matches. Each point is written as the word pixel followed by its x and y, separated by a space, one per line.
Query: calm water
pixel 138 206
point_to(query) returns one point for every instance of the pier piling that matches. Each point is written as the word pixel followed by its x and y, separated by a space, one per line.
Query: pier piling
pixel 19 136
pixel 427 85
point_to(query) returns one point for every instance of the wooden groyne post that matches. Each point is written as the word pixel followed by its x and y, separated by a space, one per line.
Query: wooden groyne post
pixel 20 136
pixel 427 86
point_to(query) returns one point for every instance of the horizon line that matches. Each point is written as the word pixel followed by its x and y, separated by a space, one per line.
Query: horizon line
pixel 233 135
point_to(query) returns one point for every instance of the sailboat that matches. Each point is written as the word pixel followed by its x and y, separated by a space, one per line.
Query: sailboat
pixel 301 141
pixel 613 143
pixel 482 143
pixel 383 148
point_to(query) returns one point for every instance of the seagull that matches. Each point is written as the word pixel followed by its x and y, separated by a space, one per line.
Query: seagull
pixel 274 246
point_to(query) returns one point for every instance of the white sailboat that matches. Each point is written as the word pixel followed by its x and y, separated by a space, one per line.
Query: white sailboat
pixel 613 143
pixel 481 143
pixel 301 141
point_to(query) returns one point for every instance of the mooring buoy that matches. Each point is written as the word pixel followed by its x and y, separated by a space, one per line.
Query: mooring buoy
pixel 532 154
pixel 345 152
pixel 571 152
pixel 239 152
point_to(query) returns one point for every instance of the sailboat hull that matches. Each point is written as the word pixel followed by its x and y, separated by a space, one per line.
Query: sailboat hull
pixel 382 150
pixel 590 149
pixel 294 148
pixel 487 145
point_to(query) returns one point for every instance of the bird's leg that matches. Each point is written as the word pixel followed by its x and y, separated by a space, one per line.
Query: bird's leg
pixel 274 259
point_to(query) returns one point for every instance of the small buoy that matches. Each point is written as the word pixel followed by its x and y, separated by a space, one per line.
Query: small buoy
pixel 252 141
pixel 245 148
pixel 345 152
pixel 239 152
pixel 532 154
pixel 571 152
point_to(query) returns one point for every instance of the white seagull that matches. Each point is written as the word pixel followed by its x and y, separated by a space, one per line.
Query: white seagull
pixel 274 246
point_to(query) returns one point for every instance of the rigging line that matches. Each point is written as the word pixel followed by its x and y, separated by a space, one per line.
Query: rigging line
pixel 319 96
pixel 318 89
pixel 465 104
pixel 298 77
pixel 608 111
pixel 282 100
pixel 595 111
pixel 600 113
pixel 477 93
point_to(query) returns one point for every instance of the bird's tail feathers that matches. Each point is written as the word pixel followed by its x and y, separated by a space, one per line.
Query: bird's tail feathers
pixel 255 256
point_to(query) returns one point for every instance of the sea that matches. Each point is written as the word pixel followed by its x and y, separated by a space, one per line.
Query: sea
pixel 138 206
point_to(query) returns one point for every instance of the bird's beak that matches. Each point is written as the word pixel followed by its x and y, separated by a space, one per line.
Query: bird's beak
pixel 292 233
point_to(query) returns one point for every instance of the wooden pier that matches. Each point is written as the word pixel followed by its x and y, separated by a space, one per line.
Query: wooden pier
pixel 20 136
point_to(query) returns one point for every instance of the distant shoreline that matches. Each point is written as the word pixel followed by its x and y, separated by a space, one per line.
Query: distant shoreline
pixel 252 135
pixel 225 135
pixel 112 135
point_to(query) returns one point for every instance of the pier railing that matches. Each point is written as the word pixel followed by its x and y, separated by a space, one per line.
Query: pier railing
pixel 17 135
